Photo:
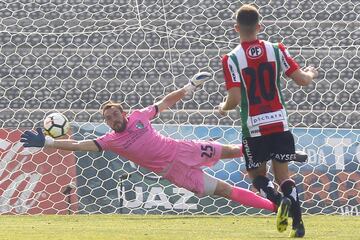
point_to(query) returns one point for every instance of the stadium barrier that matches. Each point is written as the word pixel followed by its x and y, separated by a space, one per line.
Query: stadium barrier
pixel 43 182
pixel 50 182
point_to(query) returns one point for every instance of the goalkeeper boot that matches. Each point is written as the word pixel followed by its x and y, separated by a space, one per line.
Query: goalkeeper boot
pixel 298 231
pixel 282 214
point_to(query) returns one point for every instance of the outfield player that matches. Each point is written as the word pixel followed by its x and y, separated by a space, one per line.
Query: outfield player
pixel 252 74
pixel 179 161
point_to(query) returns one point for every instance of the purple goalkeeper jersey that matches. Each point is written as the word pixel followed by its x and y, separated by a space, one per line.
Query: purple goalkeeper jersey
pixel 140 142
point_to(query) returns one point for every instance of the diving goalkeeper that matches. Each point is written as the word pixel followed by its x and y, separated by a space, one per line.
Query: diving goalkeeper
pixel 179 161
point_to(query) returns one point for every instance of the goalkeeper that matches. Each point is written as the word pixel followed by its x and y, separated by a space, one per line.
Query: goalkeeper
pixel 179 161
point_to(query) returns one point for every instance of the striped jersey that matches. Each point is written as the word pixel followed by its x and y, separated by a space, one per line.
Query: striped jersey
pixel 255 68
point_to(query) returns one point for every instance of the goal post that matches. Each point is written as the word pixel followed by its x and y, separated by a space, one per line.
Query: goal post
pixel 72 56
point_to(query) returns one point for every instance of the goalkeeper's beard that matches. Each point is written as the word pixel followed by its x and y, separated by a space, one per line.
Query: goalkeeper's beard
pixel 119 126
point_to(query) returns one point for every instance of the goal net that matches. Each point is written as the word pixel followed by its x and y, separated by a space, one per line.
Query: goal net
pixel 72 56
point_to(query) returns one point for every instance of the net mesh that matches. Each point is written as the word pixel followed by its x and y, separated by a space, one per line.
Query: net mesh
pixel 72 56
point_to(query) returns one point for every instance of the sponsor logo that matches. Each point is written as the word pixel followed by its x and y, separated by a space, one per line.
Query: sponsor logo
pixel 267 118
pixel 255 51
pixel 134 136
pixel 284 157
pixel 254 131
pixel 318 184
pixel 253 165
pixel 349 210
pixel 250 159
pixel 155 197
pixel 135 196
pixel 31 181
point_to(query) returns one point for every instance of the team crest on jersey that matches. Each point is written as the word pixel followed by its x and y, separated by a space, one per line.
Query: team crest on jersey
pixel 139 125
pixel 255 51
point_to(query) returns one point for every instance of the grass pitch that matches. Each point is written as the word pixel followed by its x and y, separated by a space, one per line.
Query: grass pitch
pixel 106 227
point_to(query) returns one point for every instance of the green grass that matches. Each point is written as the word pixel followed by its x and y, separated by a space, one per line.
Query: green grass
pixel 109 227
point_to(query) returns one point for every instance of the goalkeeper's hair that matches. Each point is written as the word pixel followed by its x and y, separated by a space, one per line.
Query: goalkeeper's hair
pixel 247 16
pixel 111 104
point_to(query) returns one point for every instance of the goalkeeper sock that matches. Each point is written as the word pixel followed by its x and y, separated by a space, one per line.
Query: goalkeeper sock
pixel 249 198
pixel 266 189
pixel 289 189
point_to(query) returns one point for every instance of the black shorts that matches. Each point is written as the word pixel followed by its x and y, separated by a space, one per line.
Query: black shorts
pixel 277 146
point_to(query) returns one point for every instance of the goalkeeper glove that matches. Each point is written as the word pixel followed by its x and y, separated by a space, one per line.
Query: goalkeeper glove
pixel 31 139
pixel 197 81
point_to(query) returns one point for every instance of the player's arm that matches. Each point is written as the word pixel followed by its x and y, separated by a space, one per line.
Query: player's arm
pixel 304 77
pixel 38 139
pixel 232 100
pixel 232 83
pixel 301 77
pixel 170 99
pixel 73 145
pixel 175 96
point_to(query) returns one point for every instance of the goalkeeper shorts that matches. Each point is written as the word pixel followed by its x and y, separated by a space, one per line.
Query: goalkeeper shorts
pixel 186 169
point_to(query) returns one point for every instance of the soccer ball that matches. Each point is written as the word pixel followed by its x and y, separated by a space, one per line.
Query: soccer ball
pixel 56 125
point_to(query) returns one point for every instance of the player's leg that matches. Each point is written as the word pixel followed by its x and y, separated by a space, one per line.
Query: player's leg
pixel 214 186
pixel 231 151
pixel 195 180
pixel 264 185
pixel 255 151
pixel 266 188
pixel 290 191
pixel 284 151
